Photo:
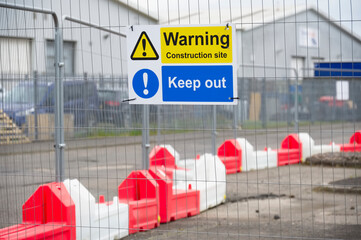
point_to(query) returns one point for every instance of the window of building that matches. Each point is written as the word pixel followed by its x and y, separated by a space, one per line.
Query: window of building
pixel 15 55
pixel 68 57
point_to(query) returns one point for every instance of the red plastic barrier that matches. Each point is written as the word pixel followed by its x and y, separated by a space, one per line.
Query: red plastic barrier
pixel 290 151
pixel 356 138
pixel 160 156
pixel 354 145
pixel 141 192
pixel 48 214
pixel 230 153
pixel 174 203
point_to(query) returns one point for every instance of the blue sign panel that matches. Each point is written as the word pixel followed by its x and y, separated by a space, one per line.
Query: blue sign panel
pixel 145 83
pixel 338 69
pixel 210 83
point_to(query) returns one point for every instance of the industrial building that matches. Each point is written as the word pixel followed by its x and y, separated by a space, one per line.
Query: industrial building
pixel 27 39
pixel 279 48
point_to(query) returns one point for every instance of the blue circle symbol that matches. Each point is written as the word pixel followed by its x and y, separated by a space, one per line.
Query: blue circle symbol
pixel 145 83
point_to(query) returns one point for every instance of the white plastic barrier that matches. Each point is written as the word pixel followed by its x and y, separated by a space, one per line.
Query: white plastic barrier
pixel 172 151
pixel 97 220
pixel 308 145
pixel 255 160
pixel 326 148
pixel 309 148
pixel 187 173
pixel 206 174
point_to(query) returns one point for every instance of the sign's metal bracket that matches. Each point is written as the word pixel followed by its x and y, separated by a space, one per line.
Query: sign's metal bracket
pixel 129 100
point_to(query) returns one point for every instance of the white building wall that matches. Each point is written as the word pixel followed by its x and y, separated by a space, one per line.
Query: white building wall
pixel 276 43
pixel 96 52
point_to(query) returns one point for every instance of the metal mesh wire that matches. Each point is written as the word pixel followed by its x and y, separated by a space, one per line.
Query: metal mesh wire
pixel 279 46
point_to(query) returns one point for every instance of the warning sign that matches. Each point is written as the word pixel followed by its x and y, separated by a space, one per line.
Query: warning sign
pixel 186 64
pixel 144 49
pixel 206 44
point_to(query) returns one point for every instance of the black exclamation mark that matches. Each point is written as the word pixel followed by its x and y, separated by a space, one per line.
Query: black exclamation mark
pixel 143 43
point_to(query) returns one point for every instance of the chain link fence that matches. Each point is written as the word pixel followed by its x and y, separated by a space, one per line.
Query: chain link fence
pixel 283 163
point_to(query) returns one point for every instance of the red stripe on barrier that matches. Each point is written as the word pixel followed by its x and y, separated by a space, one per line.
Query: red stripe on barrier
pixel 48 214
pixel 356 138
pixel 354 145
pixel 141 192
pixel 290 151
pixel 160 156
pixel 174 203
pixel 230 153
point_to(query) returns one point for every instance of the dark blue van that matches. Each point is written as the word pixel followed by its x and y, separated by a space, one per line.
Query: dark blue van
pixel 80 99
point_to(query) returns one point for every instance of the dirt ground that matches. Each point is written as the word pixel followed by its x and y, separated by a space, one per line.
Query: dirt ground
pixel 277 203
pixel 341 159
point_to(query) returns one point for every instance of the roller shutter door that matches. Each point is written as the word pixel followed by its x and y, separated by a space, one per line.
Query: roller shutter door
pixel 15 56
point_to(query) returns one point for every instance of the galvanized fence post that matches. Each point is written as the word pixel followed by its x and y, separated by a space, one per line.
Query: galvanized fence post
pixel 214 129
pixel 86 104
pixel 296 102
pixel 263 104
pixel 59 115
pixel 158 124
pixel 145 137
pixel 58 64
pixel 36 95
pixel 312 108
pixel 235 119
pixel 289 96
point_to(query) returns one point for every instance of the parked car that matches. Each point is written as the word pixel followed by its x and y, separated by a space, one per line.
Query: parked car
pixel 2 94
pixel 330 109
pixel 112 109
pixel 80 99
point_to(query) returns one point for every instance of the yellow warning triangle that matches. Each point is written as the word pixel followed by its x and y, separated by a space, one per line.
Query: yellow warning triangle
pixel 144 49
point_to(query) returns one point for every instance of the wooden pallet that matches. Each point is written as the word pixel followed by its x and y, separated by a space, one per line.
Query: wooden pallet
pixel 6 127
pixel 13 139
pixel 4 118
pixel 9 132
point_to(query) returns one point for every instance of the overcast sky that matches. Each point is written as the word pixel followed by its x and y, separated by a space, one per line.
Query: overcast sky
pixel 348 12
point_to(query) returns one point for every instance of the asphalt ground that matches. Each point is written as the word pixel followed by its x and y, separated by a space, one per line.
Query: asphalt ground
pixel 276 203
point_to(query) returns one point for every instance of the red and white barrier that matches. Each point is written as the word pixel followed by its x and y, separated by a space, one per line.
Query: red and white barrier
pixel 309 148
pixel 208 175
pixel 141 193
pixel 48 214
pixel 354 145
pixel 256 160
pixel 103 220
pixel 165 155
pixel 230 153
pixel 171 189
pixel 174 203
pixel 290 151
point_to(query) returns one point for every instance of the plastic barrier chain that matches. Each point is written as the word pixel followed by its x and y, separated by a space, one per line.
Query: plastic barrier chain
pixel 170 190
